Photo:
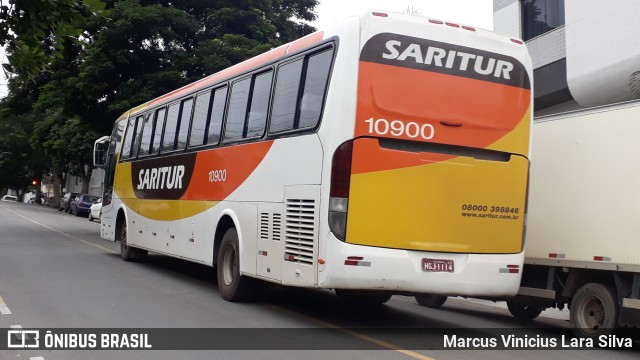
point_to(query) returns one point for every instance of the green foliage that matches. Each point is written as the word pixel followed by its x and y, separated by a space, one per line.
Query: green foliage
pixel 78 65
pixel 34 31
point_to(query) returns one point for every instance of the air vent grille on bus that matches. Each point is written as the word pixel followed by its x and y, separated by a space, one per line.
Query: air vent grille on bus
pixel 264 226
pixel 270 226
pixel 300 231
pixel 276 227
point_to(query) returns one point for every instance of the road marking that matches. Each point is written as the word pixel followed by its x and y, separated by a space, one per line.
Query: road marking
pixel 358 335
pixel 61 232
pixel 4 310
pixel 36 358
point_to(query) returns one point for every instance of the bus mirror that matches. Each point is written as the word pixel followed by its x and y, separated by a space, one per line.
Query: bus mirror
pixel 100 148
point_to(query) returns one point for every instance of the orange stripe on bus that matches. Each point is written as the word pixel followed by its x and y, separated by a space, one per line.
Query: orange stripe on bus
pixel 237 162
pixel 486 111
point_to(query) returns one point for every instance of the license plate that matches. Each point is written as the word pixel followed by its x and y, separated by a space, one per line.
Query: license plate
pixel 437 265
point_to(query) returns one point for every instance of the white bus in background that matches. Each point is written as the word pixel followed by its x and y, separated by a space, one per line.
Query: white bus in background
pixel 385 155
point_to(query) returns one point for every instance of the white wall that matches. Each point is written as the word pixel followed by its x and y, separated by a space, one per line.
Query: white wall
pixel 603 50
pixel 506 18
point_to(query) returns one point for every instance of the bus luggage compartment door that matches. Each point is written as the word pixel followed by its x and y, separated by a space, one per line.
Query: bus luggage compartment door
pixel 432 197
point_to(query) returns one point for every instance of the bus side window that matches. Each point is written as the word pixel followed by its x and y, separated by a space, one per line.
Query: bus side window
pixel 237 110
pixel 217 115
pixel 136 138
pixel 128 139
pixel 169 137
pixel 285 96
pixel 158 124
pixel 257 119
pixel 200 116
pixel 315 85
pixel 147 131
pixel 185 119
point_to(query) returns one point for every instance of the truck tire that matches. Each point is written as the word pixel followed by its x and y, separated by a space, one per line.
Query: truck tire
pixel 594 310
pixel 232 285
pixel 362 298
pixel 432 301
pixel 523 312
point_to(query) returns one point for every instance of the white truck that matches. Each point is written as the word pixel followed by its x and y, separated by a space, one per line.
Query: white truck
pixel 583 225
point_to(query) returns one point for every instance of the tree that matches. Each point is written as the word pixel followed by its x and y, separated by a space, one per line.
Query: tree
pixel 86 66
pixel 33 32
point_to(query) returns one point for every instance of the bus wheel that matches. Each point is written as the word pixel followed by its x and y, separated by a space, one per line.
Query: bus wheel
pixel 363 298
pixel 431 300
pixel 128 253
pixel 523 312
pixel 594 310
pixel 232 285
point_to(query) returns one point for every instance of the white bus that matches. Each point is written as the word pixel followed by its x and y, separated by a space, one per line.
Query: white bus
pixel 385 155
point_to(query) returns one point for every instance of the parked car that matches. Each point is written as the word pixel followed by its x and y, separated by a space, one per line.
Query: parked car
pixel 80 205
pixel 65 204
pixel 9 198
pixel 94 211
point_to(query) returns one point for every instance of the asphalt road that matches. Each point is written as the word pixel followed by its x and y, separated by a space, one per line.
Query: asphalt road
pixel 56 272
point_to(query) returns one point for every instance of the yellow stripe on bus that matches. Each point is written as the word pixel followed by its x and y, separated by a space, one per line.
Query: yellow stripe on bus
pixel 156 209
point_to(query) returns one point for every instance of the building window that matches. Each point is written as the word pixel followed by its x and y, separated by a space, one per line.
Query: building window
pixel 541 16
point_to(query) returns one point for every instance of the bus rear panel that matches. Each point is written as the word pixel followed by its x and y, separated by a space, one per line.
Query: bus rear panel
pixel 437 170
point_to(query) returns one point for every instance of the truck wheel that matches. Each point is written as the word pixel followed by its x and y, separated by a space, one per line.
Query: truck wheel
pixel 128 253
pixel 362 298
pixel 594 310
pixel 432 301
pixel 232 285
pixel 522 311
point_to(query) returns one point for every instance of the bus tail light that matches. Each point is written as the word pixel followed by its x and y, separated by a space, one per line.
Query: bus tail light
pixel 339 193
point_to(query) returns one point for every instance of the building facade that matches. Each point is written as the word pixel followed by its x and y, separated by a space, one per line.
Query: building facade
pixel 74 183
pixel 585 52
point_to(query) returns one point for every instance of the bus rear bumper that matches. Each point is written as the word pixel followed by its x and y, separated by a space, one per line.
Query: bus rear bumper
pixel 351 266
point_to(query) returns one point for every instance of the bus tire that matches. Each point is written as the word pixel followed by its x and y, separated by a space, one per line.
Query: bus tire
pixel 363 298
pixel 232 285
pixel 128 253
pixel 432 301
pixel 594 310
pixel 523 312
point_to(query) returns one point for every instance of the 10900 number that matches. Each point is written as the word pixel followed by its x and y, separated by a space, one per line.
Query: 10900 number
pixel 399 128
